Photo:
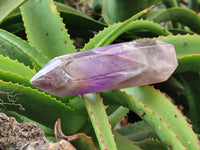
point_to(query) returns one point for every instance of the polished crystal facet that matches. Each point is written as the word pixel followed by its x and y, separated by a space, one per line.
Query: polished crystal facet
pixel 106 68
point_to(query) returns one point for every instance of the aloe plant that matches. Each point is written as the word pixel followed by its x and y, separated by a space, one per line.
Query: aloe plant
pixel 32 32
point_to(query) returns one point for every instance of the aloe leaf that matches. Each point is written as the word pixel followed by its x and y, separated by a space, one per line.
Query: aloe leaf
pixel 61 1
pixel 7 64
pixel 191 81
pixel 99 119
pixel 167 113
pixel 50 35
pixel 15 78
pixel 20 73
pixel 182 15
pixel 154 13
pixel 155 109
pixel 173 82
pixel 46 109
pixel 79 25
pixel 66 8
pixel 176 31
pixel 149 26
pixel 117 116
pixel 7 48
pixel 187 51
pixel 170 3
pixel 161 129
pixel 8 6
pixel 188 63
pixel 111 109
pixel 193 4
pixel 124 144
pixel 14 24
pixel 77 104
pixel 83 144
pixel 110 33
pixel 117 10
pixel 151 144
pixel 137 131
pixel 96 5
pixel 16 48
pixel 73 14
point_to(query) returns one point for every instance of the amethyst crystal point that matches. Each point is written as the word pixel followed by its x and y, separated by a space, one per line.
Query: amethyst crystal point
pixel 106 68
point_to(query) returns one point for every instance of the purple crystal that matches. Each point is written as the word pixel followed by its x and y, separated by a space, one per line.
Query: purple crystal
pixel 106 68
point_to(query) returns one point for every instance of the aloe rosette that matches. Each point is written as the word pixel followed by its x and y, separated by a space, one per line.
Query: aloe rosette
pixel 49 38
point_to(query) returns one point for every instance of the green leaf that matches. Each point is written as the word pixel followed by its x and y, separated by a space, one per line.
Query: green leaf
pixel 15 78
pixel 40 107
pixel 188 63
pixel 14 24
pixel 187 51
pixel 151 144
pixel 78 24
pixel 168 113
pixel 137 131
pixel 191 81
pixel 194 5
pixel 96 5
pixel 73 17
pixel 7 6
pixel 161 129
pixel 185 16
pixel 49 35
pixel 16 48
pixel 66 8
pixel 170 3
pixel 99 119
pixel 10 49
pixel 123 143
pixel 176 31
pixel 13 66
pixel 76 103
pixel 159 113
pixel 117 116
pixel 110 33
pixel 12 70
pixel 154 13
pixel 61 1
pixel 117 10
pixel 83 144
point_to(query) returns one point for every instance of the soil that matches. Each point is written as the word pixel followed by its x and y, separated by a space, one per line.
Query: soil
pixel 26 136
